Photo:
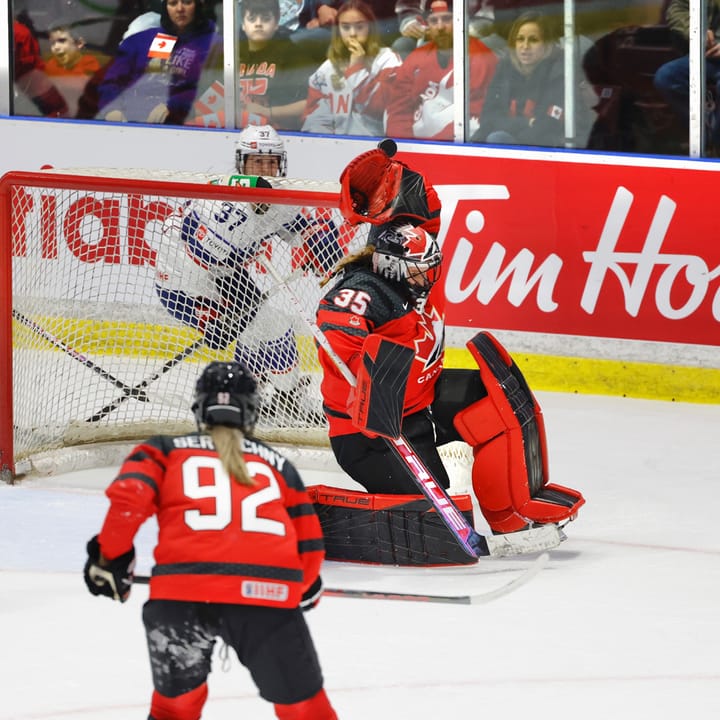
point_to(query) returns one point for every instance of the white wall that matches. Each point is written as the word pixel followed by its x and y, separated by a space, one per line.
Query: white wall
pixel 28 144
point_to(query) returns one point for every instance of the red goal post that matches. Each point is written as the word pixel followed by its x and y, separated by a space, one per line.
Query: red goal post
pixel 88 352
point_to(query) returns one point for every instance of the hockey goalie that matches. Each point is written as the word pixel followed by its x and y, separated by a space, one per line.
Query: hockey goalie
pixel 391 291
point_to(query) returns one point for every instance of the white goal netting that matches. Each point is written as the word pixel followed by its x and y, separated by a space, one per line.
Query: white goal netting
pixel 125 284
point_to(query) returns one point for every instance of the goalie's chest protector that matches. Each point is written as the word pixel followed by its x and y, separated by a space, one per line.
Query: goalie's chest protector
pixel 422 327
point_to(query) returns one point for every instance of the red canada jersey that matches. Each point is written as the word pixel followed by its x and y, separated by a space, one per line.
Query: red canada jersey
pixel 361 303
pixel 218 540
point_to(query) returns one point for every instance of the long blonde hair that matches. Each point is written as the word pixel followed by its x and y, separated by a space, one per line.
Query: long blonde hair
pixel 361 256
pixel 228 444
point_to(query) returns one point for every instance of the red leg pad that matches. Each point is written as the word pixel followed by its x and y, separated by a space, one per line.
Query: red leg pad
pixel 507 433
pixel 315 708
pixel 187 706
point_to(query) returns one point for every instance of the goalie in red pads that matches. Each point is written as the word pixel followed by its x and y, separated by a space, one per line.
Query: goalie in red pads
pixel 390 289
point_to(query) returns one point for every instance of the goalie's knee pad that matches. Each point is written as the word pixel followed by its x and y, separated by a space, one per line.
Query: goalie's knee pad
pixel 187 706
pixel 315 708
pixel 387 529
pixel 507 434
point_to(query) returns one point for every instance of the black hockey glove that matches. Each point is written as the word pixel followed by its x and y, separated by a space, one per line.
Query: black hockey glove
pixel 311 597
pixel 113 579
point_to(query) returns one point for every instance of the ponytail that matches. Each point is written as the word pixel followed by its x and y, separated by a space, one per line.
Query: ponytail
pixel 228 444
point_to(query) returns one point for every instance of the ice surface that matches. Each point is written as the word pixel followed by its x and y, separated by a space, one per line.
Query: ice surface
pixel 623 623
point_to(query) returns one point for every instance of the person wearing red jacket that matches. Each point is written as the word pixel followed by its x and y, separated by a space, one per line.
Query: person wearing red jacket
pixel 421 89
pixel 238 555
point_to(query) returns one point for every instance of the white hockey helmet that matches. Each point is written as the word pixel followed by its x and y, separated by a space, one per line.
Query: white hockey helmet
pixel 406 254
pixel 260 140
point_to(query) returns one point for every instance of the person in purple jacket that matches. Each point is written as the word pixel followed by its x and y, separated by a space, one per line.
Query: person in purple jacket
pixel 154 77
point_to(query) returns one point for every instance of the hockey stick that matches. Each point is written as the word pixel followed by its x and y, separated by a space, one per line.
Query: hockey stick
pixel 74 354
pixel 474 544
pixel 138 391
pixel 472 599
pixel 129 391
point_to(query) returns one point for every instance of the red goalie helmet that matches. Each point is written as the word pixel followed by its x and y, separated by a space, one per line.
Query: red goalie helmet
pixel 406 254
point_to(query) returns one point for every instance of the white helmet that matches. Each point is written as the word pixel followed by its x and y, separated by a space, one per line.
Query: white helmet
pixel 260 140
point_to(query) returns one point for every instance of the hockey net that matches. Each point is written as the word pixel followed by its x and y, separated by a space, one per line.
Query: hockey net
pixel 96 345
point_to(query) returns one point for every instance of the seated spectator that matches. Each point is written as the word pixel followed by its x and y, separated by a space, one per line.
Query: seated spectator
pixel 345 95
pixel 413 28
pixel 70 66
pixel 155 75
pixel 30 78
pixel 525 102
pixel 672 79
pixel 326 12
pixel 421 89
pixel 273 82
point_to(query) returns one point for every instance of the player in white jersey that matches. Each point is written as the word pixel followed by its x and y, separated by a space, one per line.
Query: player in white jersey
pixel 205 274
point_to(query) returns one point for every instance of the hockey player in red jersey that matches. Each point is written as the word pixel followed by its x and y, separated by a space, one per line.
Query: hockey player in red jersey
pixel 238 555
pixel 390 289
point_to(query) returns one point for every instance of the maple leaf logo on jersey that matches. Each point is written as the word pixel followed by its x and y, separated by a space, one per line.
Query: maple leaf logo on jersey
pixel 431 339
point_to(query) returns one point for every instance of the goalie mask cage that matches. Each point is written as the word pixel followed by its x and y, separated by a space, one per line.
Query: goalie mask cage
pixel 88 353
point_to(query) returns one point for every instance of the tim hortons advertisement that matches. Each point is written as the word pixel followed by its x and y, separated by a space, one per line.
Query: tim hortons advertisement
pixel 580 249
pixel 532 245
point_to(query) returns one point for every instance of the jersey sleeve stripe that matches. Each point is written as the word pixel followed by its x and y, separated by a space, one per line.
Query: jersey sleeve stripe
pixel 268 572
pixel 146 479
pixel 301 510
pixel 306 546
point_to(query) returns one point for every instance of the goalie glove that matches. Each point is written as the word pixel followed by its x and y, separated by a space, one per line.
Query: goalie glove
pixel 376 189
pixel 112 578
pixel 311 597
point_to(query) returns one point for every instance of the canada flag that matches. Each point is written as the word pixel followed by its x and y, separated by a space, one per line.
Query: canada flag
pixel 162 46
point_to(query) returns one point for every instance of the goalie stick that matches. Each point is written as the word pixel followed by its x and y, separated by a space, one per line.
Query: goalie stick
pixel 470 599
pixel 473 543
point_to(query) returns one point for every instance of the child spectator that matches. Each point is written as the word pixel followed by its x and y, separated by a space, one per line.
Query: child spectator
pixel 70 66
pixel 345 94
pixel 155 75
pixel 30 78
pixel 421 104
pixel 272 81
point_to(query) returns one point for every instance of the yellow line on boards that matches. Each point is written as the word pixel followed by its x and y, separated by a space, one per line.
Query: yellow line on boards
pixel 609 377
pixel 542 372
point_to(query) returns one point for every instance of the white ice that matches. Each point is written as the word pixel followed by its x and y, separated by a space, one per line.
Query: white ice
pixel 622 624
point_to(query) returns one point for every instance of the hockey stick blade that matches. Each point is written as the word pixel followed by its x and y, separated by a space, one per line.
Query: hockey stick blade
pixel 472 599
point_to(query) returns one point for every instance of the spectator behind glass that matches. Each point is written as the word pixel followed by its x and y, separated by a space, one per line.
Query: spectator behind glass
pixel 30 79
pixel 155 75
pixel 525 102
pixel 413 27
pixel 421 91
pixel 272 80
pixel 327 10
pixel 672 78
pixel 345 95
pixel 70 66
